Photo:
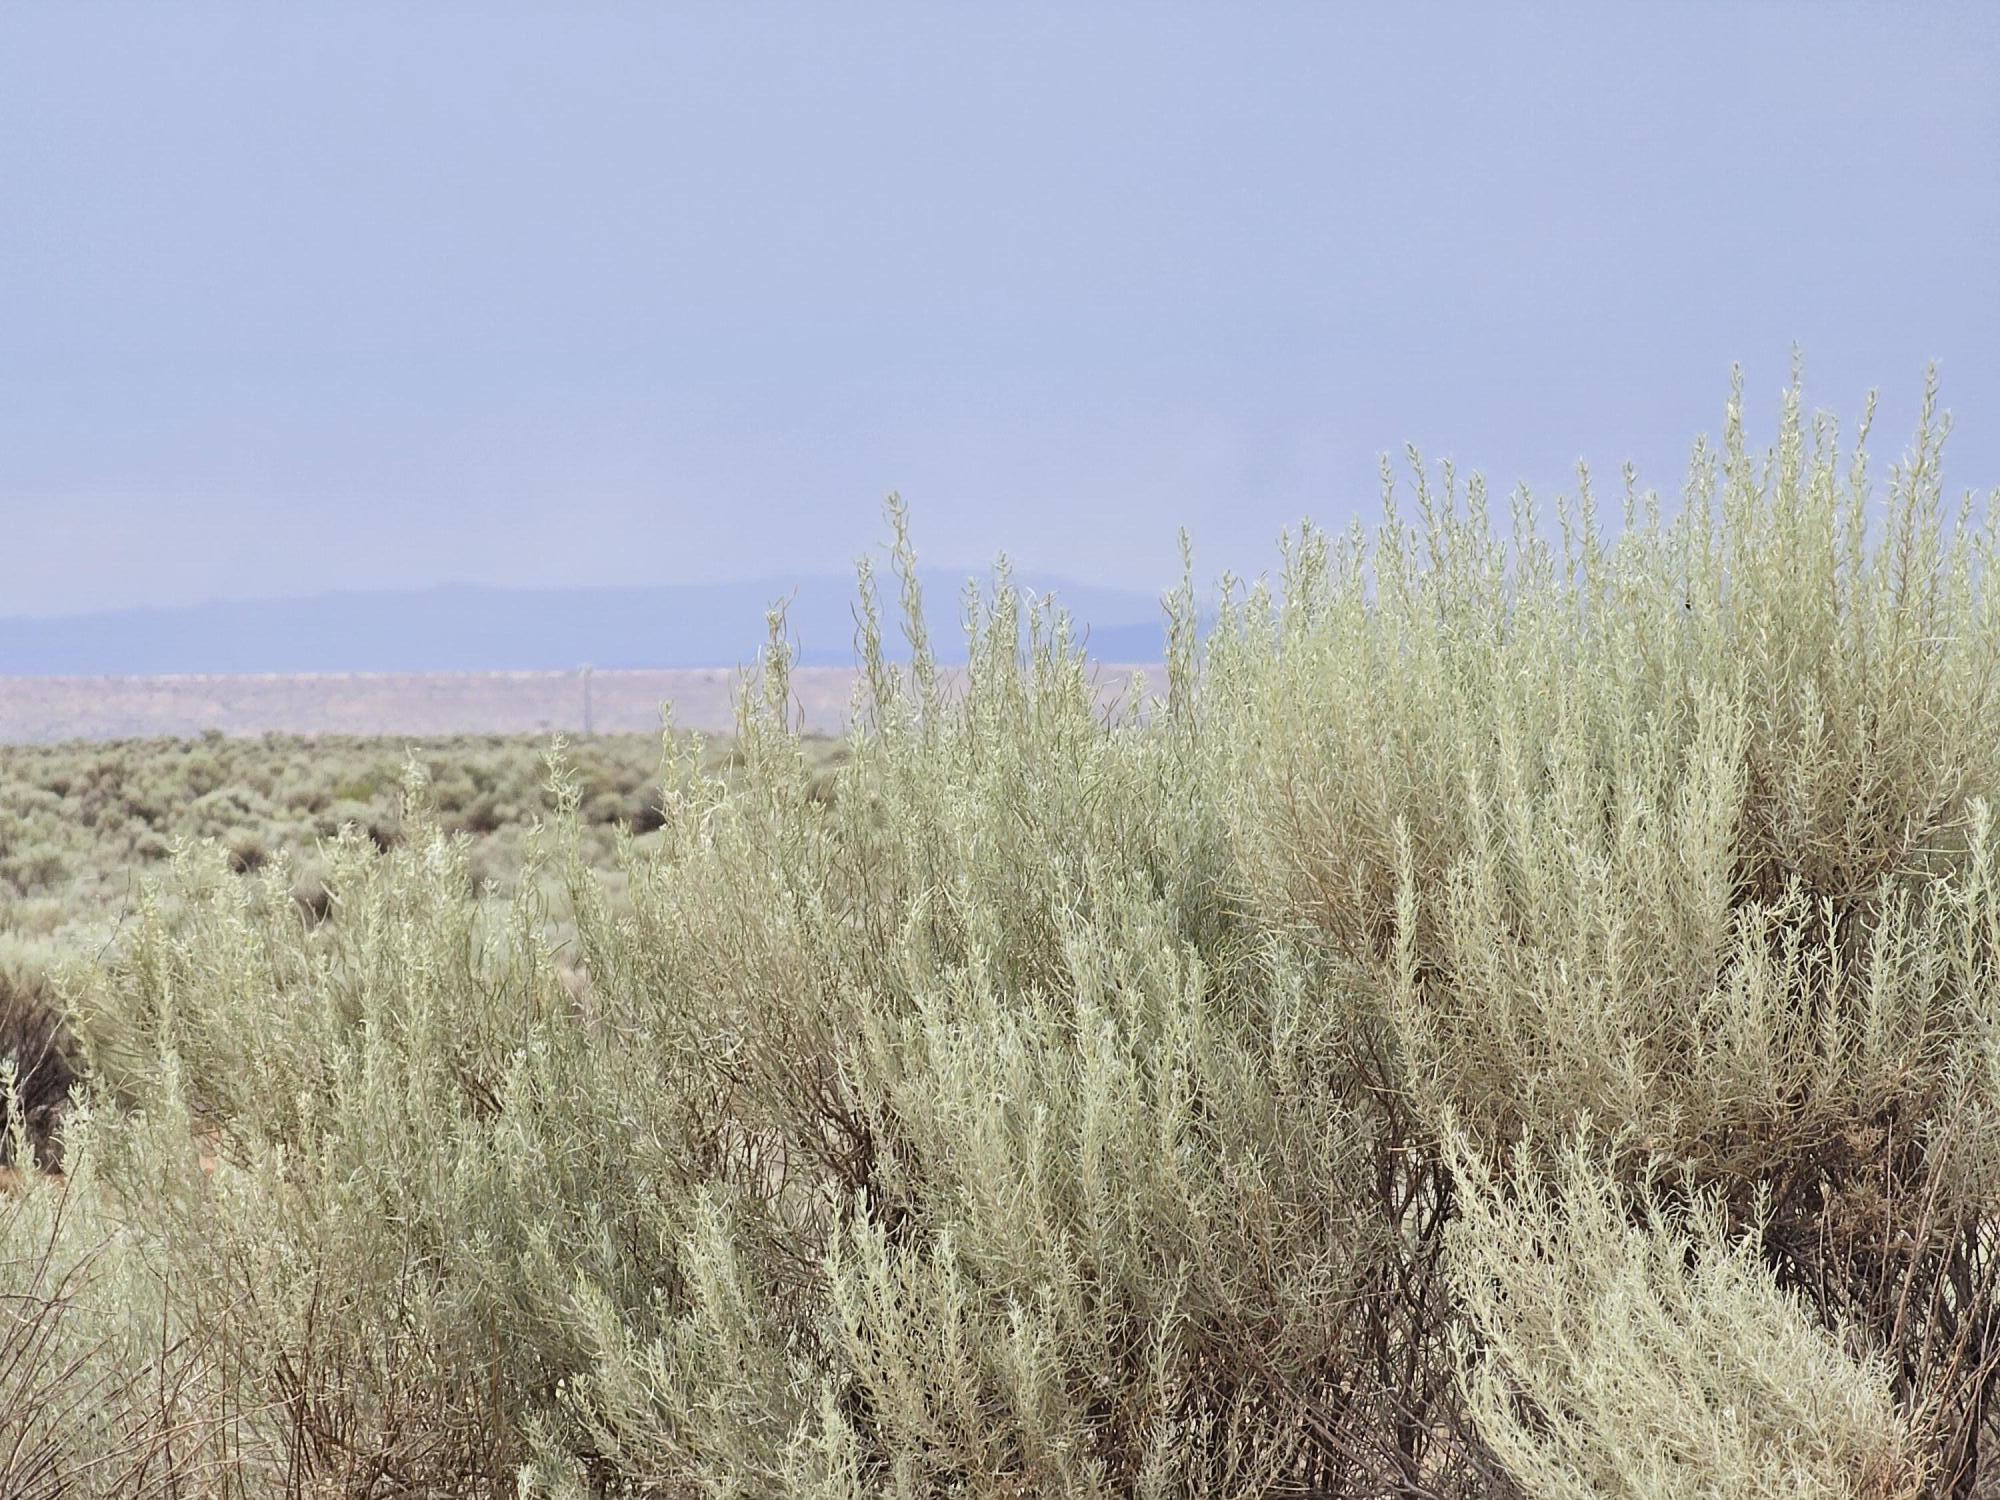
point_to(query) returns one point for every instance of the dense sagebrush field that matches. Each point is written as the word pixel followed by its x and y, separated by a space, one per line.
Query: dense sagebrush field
pixel 1521 1015
pixel 82 824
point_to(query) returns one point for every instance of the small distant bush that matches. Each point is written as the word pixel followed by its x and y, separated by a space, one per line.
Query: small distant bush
pixel 247 851
pixel 313 896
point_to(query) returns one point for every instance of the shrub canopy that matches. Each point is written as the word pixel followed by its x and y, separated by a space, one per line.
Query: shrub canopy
pixel 1514 1015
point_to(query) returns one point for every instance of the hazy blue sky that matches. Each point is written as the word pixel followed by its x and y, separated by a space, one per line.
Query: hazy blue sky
pixel 296 297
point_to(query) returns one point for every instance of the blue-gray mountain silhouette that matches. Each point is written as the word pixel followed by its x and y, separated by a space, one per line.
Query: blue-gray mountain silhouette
pixel 465 628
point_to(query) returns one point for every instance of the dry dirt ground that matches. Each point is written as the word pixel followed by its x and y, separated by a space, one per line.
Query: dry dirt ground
pixel 42 709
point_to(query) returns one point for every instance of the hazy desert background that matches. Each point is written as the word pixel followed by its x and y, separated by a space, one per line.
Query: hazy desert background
pixel 42 710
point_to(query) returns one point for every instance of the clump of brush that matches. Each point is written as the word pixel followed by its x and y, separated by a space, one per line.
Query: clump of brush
pixel 38 1068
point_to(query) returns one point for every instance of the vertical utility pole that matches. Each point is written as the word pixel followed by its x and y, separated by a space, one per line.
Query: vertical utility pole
pixel 586 701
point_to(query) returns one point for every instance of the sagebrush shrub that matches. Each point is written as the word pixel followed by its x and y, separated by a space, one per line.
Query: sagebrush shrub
pixel 1514 1015
pixel 109 1386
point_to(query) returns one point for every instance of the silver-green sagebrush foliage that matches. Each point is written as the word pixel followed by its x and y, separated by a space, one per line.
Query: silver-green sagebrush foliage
pixel 1517 1014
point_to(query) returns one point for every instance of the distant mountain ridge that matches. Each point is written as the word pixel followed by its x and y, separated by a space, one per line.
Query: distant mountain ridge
pixel 472 628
